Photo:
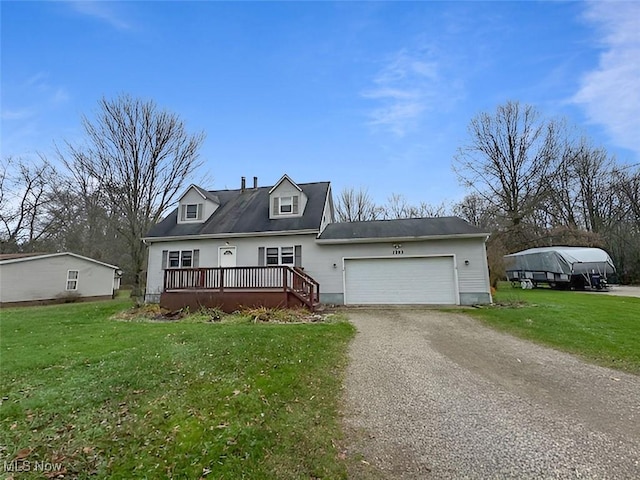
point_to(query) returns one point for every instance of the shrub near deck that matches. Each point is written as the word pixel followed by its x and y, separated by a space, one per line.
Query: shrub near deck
pixel 604 329
pixel 159 400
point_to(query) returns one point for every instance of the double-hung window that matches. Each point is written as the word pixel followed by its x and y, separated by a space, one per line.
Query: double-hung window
pixel 181 258
pixel 280 255
pixel 286 255
pixel 191 212
pixel 72 280
pixel 187 259
pixel 287 205
pixel 273 256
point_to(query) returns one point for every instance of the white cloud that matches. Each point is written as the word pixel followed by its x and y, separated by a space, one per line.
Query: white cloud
pixel 101 10
pixel 59 96
pixel 610 94
pixel 19 114
pixel 408 86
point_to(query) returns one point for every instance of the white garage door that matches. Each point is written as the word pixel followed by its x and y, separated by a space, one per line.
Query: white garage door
pixel 424 280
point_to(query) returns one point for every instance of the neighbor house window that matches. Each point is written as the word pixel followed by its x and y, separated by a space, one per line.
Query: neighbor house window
pixel 181 259
pixel 279 256
pixel 191 211
pixel 72 280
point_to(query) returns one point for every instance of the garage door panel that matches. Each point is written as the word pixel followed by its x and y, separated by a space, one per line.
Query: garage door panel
pixel 424 280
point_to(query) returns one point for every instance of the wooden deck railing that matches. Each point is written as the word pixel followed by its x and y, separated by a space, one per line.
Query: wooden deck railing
pixel 288 279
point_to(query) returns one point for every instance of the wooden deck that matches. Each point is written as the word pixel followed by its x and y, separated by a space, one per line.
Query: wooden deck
pixel 232 288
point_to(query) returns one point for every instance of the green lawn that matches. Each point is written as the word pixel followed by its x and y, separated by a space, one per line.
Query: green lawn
pixel 604 329
pixel 115 399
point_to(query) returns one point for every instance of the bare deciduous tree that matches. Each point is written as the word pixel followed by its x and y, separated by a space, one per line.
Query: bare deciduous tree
pixel 629 185
pixel 25 191
pixel 508 160
pixel 356 206
pixel 87 224
pixel 477 211
pixel 397 206
pixel 140 157
pixel 534 184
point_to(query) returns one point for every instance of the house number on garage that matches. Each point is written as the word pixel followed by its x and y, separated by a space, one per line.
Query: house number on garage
pixel 397 249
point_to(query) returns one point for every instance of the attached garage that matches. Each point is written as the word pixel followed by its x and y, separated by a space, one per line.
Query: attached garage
pixel 400 280
pixel 422 261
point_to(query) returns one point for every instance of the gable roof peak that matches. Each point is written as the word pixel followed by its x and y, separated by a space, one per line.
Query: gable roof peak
pixel 206 195
pixel 284 177
pixel 193 186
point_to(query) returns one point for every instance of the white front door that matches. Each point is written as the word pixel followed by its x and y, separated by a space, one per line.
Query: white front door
pixel 227 257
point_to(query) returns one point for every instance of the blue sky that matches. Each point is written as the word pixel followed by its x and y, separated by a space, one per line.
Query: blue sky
pixel 365 94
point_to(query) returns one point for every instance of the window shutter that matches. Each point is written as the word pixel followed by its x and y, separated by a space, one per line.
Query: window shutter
pixel 183 212
pixel 199 214
pixel 196 259
pixel 165 254
pixel 276 206
pixel 294 210
pixel 261 258
pixel 298 256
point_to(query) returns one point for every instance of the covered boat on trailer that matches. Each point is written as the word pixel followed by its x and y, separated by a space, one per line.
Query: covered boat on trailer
pixel 560 267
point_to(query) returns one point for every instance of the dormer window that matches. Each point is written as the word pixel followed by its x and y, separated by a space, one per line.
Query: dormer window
pixel 191 212
pixel 286 199
pixel 288 205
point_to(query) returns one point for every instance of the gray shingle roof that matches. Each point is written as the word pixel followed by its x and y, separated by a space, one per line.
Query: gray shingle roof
pixel 404 228
pixel 247 212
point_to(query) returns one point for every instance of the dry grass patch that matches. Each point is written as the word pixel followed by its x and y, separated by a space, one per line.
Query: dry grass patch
pixel 155 313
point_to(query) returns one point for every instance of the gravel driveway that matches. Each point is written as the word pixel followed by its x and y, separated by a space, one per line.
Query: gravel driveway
pixel 437 395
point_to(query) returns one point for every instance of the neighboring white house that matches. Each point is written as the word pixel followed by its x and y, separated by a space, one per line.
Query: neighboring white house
pixel 410 261
pixel 42 277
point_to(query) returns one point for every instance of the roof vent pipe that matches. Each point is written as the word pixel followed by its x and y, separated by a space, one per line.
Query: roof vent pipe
pixel 255 183
pixel 243 184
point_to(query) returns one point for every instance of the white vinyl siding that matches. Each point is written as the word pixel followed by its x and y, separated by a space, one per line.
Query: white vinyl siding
pixel 286 200
pixel 47 278
pixel 406 280
pixel 325 262
pixel 194 208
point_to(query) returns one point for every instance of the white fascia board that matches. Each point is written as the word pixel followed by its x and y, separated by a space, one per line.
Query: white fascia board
pixel 284 177
pixel 279 233
pixel 194 187
pixel 51 255
pixel 402 239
